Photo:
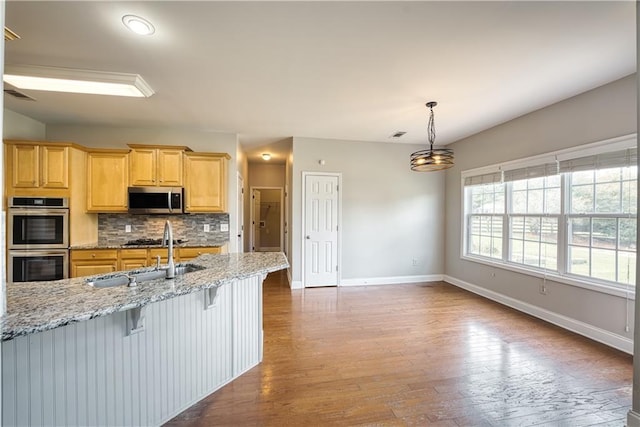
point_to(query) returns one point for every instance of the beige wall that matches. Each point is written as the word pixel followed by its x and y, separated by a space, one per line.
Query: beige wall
pixel 390 215
pixel 266 175
pixel 600 114
pixel 17 126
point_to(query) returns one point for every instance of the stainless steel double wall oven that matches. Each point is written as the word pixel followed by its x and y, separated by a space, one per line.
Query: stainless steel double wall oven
pixel 38 238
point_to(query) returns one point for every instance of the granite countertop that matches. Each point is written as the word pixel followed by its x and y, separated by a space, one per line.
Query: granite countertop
pixel 186 244
pixel 39 306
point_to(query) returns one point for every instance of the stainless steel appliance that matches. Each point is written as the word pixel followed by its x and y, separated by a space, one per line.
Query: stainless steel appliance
pixel 155 200
pixel 38 265
pixel 38 223
pixel 38 238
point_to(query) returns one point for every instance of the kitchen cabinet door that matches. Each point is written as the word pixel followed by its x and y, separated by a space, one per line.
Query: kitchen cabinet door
pixel 25 163
pixel 39 166
pixel 154 252
pixel 142 167
pixel 187 254
pixel 153 166
pixel 205 182
pixel 130 259
pixel 54 162
pixel 170 168
pixel 89 262
pixel 107 181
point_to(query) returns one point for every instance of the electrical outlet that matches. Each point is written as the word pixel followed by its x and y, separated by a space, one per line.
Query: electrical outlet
pixel 127 228
pixel 207 228
pixel 224 227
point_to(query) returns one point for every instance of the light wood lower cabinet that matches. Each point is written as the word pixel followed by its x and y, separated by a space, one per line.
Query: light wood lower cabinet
pixel 132 258
pixel 89 262
pixel 187 254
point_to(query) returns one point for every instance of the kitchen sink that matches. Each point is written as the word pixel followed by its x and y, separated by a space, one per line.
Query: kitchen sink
pixel 140 276
pixel 187 268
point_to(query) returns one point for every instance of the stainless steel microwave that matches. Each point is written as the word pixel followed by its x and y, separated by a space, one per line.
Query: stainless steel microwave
pixel 156 200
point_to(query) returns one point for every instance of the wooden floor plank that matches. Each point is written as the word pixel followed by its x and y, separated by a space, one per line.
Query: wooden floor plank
pixel 424 354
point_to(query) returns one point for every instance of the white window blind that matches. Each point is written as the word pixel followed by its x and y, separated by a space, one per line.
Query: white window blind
pixel 487 178
pixel 537 171
pixel 614 159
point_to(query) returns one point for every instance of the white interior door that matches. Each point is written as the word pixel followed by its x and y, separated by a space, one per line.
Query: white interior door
pixel 321 230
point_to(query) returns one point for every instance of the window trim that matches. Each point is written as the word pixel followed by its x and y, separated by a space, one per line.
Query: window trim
pixel 561 275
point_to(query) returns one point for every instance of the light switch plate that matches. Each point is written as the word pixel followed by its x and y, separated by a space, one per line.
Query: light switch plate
pixel 127 228
pixel 207 228
pixel 224 227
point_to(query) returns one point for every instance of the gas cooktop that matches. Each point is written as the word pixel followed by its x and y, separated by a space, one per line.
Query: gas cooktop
pixel 152 242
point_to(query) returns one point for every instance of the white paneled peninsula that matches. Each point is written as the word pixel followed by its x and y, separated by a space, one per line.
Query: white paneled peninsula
pixel 73 354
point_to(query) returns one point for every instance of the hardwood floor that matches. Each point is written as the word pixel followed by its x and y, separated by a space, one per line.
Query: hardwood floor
pixel 426 354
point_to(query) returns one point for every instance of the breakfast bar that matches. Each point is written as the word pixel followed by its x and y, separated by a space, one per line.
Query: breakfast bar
pixel 76 354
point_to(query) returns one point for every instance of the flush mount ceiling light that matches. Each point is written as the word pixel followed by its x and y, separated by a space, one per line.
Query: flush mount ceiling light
pixel 433 159
pixel 266 156
pixel 138 25
pixel 76 81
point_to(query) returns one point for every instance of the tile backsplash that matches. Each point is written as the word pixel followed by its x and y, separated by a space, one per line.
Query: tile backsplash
pixel 112 228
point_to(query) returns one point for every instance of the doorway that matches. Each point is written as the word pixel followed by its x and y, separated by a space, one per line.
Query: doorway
pixel 321 216
pixel 267 219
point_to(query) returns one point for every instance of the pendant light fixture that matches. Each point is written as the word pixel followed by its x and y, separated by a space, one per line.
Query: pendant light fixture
pixel 433 159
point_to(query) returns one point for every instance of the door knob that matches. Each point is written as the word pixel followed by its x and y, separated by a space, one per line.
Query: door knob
pixel 308 237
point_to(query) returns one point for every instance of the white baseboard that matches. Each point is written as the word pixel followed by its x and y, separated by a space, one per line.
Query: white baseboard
pixel 393 280
pixel 597 334
pixel 296 284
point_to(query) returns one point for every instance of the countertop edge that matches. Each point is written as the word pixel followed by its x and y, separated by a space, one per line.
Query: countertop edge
pixel 156 294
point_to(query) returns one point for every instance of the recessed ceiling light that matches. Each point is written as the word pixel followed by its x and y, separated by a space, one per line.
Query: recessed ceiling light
pixel 266 156
pixel 138 25
pixel 76 81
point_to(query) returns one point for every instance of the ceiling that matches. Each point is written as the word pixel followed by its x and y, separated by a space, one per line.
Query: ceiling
pixel 342 70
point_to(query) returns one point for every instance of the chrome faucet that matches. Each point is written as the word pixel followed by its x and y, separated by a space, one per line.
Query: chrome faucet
pixel 168 236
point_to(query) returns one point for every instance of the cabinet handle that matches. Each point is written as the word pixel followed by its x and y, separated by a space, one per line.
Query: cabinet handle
pixel 93 255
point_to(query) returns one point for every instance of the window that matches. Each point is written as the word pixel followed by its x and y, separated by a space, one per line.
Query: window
pixel 575 216
pixel 602 224
pixel 485 221
pixel 533 223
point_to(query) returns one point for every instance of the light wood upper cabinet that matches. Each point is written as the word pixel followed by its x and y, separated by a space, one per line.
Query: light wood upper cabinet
pixel 34 165
pixel 107 180
pixel 54 166
pixel 205 182
pixel 154 166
